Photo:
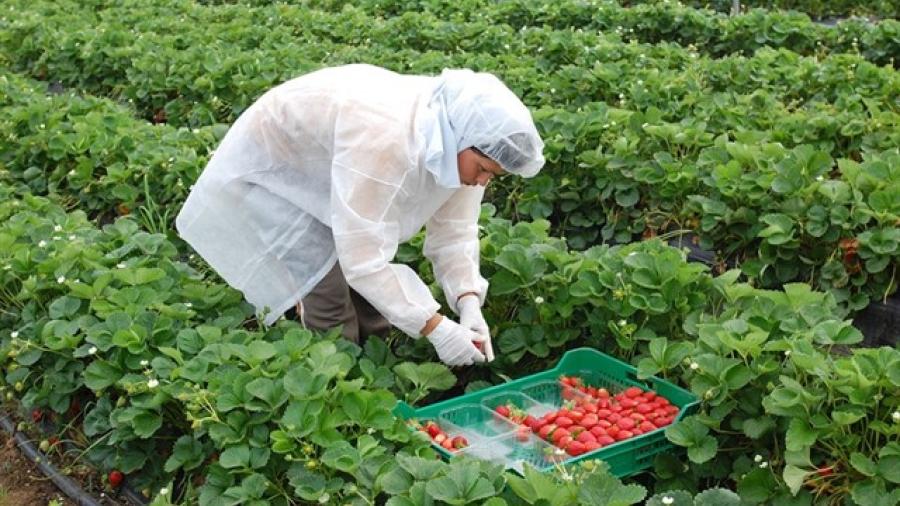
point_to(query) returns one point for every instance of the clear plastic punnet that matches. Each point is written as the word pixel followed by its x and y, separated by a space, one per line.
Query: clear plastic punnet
pixel 515 450
pixel 475 422
pixel 518 400
pixel 550 395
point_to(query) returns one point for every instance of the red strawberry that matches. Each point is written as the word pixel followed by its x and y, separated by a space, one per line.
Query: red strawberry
pixel 559 434
pixel 605 440
pixel 564 421
pixel 115 478
pixel 633 392
pixel 523 433
pixel 546 430
pixel 575 448
pixel 432 428
pixel 37 415
pixel 459 442
pixel 502 411
pixel 447 444
pixel 585 437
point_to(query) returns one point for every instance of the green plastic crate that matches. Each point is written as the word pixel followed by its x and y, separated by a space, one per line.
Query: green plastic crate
pixel 625 458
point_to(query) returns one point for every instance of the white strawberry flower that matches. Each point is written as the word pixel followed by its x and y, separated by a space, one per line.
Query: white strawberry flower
pixel 164 491
pixel 152 383
pixel 188 304
pixel 15 333
pixel 623 322
pixel 145 363
pixel 92 350
pixel 896 416
pixel 538 300
pixel 695 366
pixel 61 279
pixel 763 465
pixel 324 498
pixel 72 237
pixel 57 228
pixel 787 353
pixel 758 458
pixel 668 500
pixel 42 244
pixel 120 265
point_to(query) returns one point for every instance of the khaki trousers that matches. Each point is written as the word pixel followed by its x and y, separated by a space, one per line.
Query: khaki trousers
pixel 332 302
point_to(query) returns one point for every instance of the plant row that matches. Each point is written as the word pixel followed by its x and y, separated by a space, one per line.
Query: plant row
pixel 714 33
pixel 815 8
pixel 168 373
pixel 243 51
pixel 723 171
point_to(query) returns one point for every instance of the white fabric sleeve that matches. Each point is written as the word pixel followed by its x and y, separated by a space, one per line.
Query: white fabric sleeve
pixel 452 245
pixel 367 173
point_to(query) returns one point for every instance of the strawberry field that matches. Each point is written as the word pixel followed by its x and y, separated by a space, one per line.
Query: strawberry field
pixel 766 141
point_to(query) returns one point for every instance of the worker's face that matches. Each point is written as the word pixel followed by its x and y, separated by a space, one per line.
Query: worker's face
pixel 475 168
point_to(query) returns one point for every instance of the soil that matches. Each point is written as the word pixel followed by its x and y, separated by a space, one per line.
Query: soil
pixel 21 482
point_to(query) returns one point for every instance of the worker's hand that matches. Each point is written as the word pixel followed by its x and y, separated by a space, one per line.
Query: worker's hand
pixel 455 344
pixel 470 317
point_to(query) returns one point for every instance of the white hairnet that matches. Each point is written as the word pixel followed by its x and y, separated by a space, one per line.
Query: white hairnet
pixel 478 110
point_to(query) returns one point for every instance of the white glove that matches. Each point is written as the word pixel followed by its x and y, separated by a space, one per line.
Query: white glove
pixel 455 344
pixel 470 317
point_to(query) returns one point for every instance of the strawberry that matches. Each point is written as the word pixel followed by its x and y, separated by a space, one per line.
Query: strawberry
pixel 575 448
pixel 523 433
pixel 559 434
pixel 432 428
pixel 546 430
pixel 459 442
pixel 502 411
pixel 115 478
pixel 564 442
pixel 440 438
pixel 825 471
pixel 37 415
pixel 605 440
pixel 564 421
pixel 585 437
pixel 633 392
pixel 447 444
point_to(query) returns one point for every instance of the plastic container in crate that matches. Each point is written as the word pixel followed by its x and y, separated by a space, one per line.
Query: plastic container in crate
pixel 514 451
pixel 625 458
pixel 519 400
pixel 475 422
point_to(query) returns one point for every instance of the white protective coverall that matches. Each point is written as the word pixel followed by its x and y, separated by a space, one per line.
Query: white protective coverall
pixel 343 164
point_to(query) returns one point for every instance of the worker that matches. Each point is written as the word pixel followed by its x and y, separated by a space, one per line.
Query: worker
pixel 306 199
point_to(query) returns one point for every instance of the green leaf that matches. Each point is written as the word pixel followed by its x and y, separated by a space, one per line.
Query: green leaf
pixel 101 374
pixel 342 457
pixel 863 464
pixel 606 489
pixel 670 498
pixel 427 376
pixel 717 497
pixel 799 435
pixel 420 469
pixel 889 462
pixel 187 454
pixel 755 428
pixel 146 423
pixel 461 485
pixel 872 492
pixel 794 477
pixel 235 457
pixel 302 383
pixel 395 481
